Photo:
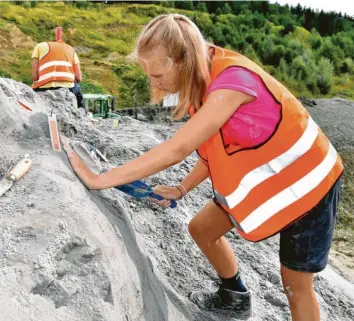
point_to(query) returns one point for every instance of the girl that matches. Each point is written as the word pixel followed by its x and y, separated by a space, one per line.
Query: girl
pixel 273 170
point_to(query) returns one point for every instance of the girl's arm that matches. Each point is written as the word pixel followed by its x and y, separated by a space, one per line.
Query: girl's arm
pixel 217 109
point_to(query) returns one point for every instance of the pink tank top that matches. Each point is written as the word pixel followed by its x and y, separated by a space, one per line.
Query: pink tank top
pixel 253 123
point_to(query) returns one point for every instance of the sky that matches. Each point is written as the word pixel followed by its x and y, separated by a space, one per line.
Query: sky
pixel 344 6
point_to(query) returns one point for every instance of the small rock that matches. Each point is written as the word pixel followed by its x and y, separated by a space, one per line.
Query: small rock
pixel 63 225
pixel 273 278
pixel 141 117
pixel 275 299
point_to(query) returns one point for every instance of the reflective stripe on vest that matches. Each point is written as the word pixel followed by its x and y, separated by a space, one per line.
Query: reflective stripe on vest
pixel 55 63
pixel 55 74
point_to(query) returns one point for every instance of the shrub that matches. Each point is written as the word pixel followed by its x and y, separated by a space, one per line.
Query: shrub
pixel 325 76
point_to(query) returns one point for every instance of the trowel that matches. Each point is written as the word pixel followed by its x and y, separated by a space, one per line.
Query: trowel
pixel 87 156
pixel 141 189
pixel 15 173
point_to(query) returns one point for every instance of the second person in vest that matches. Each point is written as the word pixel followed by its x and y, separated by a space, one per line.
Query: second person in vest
pixel 56 65
pixel 272 168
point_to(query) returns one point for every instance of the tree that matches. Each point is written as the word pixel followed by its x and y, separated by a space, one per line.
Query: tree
pixel 236 6
pixel 218 12
pixel 344 42
pixel 226 9
pixel 201 6
pixel 272 53
pixel 312 74
pixel 134 86
pixel 124 98
pixel 186 5
pixel 213 5
pixel 333 53
pixel 299 69
pixel 347 66
pixel 250 53
pixel 141 91
pixel 283 67
pixel 204 22
pixel 217 35
pixel 83 4
pixel 258 20
pixel 264 7
pixel 298 10
pixel 309 19
pixel 314 39
pixel 167 4
pixel 325 76
pixel 288 23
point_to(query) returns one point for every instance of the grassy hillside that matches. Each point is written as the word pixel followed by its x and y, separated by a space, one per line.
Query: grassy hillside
pixel 104 34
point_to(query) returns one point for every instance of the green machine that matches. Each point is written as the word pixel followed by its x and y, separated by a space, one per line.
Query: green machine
pixel 100 105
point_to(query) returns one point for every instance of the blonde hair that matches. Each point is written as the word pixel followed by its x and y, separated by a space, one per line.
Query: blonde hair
pixel 186 46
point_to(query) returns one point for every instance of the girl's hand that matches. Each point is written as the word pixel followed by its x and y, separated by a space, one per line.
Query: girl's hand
pixel 66 146
pixel 168 193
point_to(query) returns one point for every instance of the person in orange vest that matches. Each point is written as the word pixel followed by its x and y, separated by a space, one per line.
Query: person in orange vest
pixel 56 65
pixel 272 169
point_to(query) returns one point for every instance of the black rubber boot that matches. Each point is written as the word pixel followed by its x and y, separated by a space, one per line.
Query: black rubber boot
pixel 227 302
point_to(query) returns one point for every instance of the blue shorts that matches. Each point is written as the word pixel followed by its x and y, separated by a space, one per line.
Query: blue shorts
pixel 305 244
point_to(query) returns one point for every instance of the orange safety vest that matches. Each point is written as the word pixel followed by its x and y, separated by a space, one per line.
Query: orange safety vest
pixel 56 65
pixel 268 187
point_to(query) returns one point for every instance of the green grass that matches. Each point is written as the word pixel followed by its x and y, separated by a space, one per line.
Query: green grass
pixel 101 29
pixel 88 87
pixel 344 87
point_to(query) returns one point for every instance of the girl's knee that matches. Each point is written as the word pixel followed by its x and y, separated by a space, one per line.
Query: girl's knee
pixel 297 284
pixel 289 291
pixel 199 232
pixel 209 225
pixel 194 229
pixel 201 235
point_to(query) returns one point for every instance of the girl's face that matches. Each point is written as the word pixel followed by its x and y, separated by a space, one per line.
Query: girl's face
pixel 161 70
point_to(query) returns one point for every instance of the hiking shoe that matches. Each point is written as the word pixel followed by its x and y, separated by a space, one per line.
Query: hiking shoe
pixel 231 303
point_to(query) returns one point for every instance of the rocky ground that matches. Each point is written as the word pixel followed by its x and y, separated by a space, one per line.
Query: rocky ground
pixel 70 254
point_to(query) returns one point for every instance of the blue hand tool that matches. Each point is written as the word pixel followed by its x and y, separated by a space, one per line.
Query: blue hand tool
pixel 141 189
